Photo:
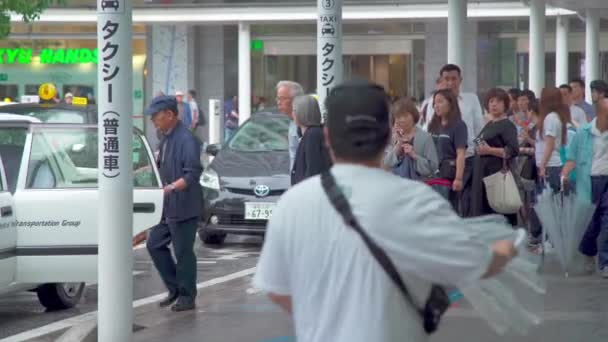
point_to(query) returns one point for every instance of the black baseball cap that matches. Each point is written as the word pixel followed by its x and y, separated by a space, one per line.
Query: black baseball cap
pixel 358 119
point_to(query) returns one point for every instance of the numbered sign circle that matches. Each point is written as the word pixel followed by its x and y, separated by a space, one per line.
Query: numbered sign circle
pixel 328 4
pixel 47 91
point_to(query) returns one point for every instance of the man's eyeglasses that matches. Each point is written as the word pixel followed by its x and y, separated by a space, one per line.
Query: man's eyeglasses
pixel 283 98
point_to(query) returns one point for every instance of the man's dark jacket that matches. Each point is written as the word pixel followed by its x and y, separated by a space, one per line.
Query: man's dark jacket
pixel 181 160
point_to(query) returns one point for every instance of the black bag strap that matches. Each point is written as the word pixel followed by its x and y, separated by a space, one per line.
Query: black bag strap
pixel 340 203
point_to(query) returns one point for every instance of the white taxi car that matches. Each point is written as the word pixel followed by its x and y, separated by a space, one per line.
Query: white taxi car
pixel 48 206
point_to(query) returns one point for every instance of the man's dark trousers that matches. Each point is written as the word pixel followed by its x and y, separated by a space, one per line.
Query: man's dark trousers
pixel 179 278
pixel 599 225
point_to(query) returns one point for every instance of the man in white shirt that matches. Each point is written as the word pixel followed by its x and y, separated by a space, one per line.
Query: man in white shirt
pixel 577 114
pixel 286 92
pixel 473 117
pixel 319 270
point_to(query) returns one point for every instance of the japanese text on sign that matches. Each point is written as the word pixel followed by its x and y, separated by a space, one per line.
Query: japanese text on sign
pixel 109 68
pixel 111 147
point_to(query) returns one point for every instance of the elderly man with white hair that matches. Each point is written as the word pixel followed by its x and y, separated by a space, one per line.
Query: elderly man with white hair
pixel 286 93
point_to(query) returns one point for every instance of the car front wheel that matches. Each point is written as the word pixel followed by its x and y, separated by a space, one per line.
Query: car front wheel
pixel 211 239
pixel 60 296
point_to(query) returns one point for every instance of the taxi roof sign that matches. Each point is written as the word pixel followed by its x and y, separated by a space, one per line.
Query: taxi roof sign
pixel 80 101
pixel 47 91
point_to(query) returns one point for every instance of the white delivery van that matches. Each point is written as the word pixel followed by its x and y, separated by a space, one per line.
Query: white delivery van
pixel 48 206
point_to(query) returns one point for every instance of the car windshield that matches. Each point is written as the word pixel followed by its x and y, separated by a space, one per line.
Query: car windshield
pixel 262 134
pixel 51 115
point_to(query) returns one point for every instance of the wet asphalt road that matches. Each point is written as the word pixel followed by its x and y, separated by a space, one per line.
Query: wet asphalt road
pixel 23 312
pixel 576 308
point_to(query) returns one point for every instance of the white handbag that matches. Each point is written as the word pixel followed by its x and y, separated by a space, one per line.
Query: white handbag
pixel 502 191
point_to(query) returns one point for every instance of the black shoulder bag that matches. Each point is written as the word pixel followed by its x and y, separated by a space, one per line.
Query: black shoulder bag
pixel 437 303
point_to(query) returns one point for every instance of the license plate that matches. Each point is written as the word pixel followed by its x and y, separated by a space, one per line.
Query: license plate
pixel 259 211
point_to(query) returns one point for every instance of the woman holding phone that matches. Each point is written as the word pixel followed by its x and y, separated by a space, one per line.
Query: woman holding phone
pixel 413 154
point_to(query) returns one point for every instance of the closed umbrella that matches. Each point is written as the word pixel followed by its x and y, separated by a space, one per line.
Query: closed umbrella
pixel 513 301
pixel 564 218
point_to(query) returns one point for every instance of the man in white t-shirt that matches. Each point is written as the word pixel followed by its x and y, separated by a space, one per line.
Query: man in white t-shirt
pixel 577 114
pixel 320 271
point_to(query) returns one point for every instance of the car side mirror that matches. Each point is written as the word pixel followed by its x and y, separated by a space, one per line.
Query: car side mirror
pixel 213 149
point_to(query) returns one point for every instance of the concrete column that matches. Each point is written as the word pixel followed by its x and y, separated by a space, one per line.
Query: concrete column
pixel 436 39
pixel 457 20
pixel 329 48
pixel 592 50
pixel 561 51
pixel 244 72
pixel 170 64
pixel 115 172
pixel 537 45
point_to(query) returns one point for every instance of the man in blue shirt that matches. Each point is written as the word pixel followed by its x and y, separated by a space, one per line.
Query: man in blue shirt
pixel 180 169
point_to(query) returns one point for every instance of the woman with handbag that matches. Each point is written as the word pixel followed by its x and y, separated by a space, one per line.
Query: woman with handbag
pixel 450 135
pixel 497 146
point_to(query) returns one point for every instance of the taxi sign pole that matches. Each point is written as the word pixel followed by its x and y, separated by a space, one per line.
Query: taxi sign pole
pixel 329 49
pixel 115 209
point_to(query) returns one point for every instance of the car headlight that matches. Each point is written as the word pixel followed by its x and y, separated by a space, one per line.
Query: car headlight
pixel 210 180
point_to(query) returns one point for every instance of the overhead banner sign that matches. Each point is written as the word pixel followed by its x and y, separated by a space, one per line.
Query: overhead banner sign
pixel 49 56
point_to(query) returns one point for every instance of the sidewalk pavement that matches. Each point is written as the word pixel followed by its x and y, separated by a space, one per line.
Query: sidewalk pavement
pixel 576 310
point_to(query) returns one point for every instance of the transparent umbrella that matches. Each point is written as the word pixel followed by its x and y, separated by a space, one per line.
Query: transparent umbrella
pixel 565 218
pixel 513 301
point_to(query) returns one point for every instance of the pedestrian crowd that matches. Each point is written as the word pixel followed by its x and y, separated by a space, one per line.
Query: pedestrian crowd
pixel 367 235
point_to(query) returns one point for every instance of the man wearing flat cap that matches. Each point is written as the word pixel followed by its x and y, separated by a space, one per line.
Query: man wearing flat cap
pixel 180 169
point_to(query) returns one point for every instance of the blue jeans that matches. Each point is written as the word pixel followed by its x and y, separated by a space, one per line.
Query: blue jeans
pixel 228 133
pixel 553 176
pixel 598 229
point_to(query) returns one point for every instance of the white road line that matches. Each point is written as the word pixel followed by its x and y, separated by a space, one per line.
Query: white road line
pixel 69 322
pixel 206 262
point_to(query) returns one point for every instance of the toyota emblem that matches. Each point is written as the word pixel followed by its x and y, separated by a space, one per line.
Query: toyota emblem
pixel 261 190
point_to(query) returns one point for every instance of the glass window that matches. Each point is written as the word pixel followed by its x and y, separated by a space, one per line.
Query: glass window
pixel 67 158
pixel 9 90
pixel 32 89
pixel 262 134
pixel 12 142
pixel 52 115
